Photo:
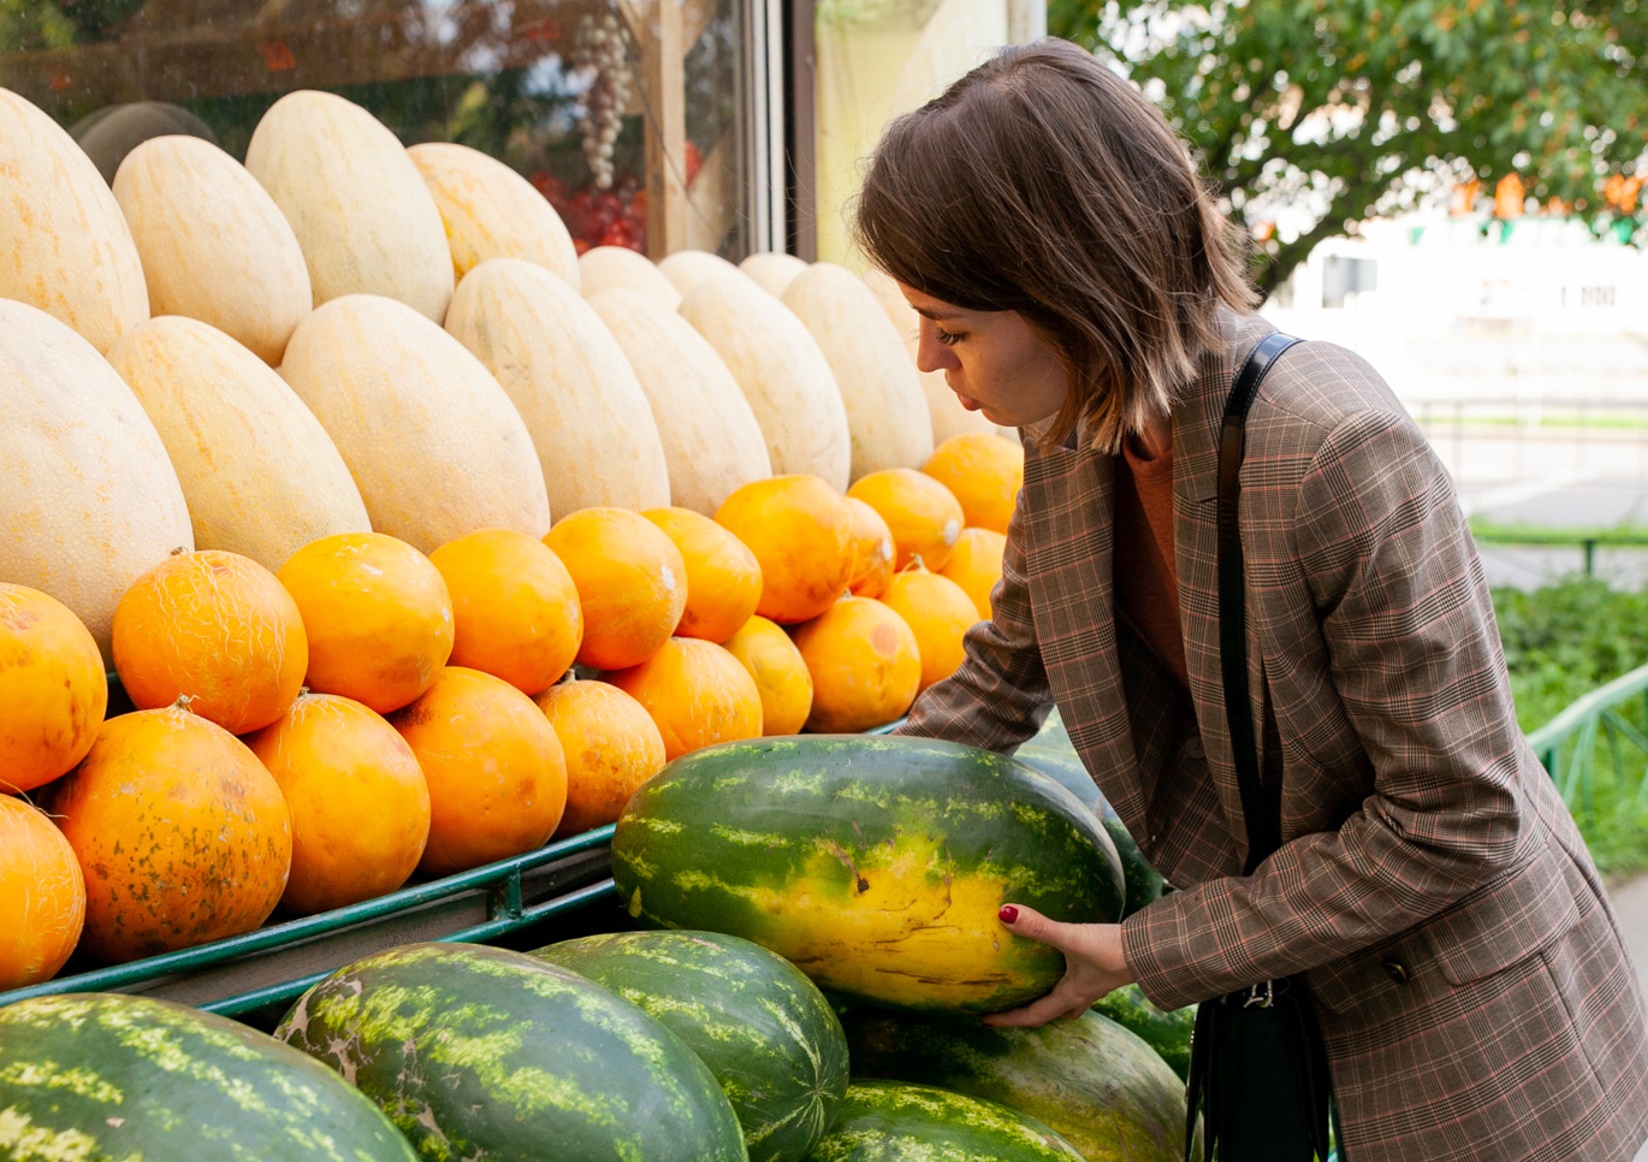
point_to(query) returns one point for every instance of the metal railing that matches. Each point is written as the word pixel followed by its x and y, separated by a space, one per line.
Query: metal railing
pixel 1596 724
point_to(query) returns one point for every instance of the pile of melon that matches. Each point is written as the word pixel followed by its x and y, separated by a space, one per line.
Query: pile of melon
pixel 414 538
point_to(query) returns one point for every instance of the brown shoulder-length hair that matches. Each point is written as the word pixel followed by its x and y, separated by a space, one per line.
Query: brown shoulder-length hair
pixel 1043 183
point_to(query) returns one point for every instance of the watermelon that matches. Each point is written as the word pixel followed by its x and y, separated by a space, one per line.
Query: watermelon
pixel 1091 1080
pixel 483 1053
pixel 1144 882
pixel 885 1121
pixel 875 864
pixel 1168 1033
pixel 93 1076
pixel 765 1031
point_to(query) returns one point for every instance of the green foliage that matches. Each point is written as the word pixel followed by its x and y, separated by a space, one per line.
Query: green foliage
pixel 1561 642
pixel 1347 109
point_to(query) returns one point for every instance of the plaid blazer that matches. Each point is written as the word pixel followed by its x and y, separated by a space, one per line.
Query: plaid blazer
pixel 1474 992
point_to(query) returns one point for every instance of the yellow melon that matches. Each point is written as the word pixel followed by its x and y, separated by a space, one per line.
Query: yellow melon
pixel 52 685
pixel 873 550
pixel 865 663
pixel 780 674
pixel 65 247
pixel 984 472
pixel 886 413
pixel 782 373
pixel 261 475
pixel 712 441
pixel 578 396
pixel 696 692
pixel 214 245
pixel 42 896
pixel 607 267
pixel 611 745
pixel 490 211
pixel 433 442
pixel 723 576
pixel 945 410
pixel 939 613
pixel 687 269
pixel 771 271
pixel 366 221
pixel 975 565
pixel 89 501
pixel 924 517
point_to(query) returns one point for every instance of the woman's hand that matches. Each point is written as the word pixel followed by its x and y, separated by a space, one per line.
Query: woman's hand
pixel 1094 966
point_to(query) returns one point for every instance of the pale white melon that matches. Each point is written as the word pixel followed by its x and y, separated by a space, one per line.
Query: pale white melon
pixel 214 245
pixel 949 417
pixel 434 444
pixel 570 381
pixel 64 245
pixel 491 211
pixel 783 375
pixel 88 499
pixel 261 475
pixel 361 211
pixel 772 271
pixel 712 442
pixel 687 268
pixel 608 267
pixel 886 410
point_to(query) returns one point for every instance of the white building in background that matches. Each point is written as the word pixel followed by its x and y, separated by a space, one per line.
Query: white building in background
pixel 1534 311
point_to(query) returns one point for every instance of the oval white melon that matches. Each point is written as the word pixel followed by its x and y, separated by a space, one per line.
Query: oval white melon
pixel 214 245
pixel 89 501
pixel 886 411
pixel 712 442
pixel 261 476
pixel 490 211
pixel 943 408
pixel 570 381
pixel 64 245
pixel 434 444
pixel 771 271
pixel 783 375
pixel 687 268
pixel 611 267
pixel 362 213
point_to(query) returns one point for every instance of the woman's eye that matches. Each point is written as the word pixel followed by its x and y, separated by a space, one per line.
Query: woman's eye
pixel 948 338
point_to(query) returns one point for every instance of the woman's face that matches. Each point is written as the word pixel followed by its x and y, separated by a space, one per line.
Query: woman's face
pixel 994 361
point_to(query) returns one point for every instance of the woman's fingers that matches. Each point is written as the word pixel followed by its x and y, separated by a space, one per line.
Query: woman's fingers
pixel 1036 1014
pixel 1031 924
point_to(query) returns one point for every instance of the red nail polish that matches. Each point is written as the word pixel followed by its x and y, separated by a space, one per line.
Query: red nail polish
pixel 1008 914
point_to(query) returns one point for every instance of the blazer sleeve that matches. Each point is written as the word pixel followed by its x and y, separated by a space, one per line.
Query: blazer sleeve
pixel 1417 663
pixel 999 696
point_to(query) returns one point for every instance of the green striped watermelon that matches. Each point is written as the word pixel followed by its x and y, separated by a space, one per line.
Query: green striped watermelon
pixel 1168 1033
pixel 886 1121
pixel 483 1053
pixel 875 865
pixel 93 1076
pixel 1091 1080
pixel 762 1027
pixel 1063 766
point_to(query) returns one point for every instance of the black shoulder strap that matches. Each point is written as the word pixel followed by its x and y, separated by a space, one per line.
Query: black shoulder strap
pixel 1264 827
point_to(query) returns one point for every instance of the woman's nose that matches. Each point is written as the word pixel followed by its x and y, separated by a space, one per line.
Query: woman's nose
pixel 931 355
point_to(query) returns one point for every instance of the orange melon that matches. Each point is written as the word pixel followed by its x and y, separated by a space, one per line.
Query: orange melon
pixel 780 674
pixel 939 613
pixel 359 802
pixel 611 744
pixel 924 516
pixel 631 580
pixel 723 576
pixel 52 686
pixel 696 692
pixel 865 663
pixel 984 472
pixel 42 896
pixel 976 566
pixel 216 628
pixel 872 551
pixel 800 530
pixel 514 606
pixel 377 615
pixel 135 811
pixel 497 776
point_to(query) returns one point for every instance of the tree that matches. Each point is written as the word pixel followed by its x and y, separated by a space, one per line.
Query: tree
pixel 1314 115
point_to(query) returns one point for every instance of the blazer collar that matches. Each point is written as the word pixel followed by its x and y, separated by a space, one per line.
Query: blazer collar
pixel 1201 407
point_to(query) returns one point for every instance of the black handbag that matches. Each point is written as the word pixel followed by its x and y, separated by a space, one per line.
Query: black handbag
pixel 1258 1069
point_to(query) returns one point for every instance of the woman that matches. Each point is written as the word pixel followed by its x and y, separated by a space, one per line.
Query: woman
pixel 1075 281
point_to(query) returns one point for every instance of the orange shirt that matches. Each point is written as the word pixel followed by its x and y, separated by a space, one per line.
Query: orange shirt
pixel 1146 573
